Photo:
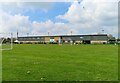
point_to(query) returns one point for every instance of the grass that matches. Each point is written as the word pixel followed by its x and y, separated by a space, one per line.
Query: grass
pixel 60 63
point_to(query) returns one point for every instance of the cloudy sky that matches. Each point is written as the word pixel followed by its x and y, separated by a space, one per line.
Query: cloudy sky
pixel 59 18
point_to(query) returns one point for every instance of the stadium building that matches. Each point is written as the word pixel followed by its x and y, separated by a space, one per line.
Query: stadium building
pixel 86 39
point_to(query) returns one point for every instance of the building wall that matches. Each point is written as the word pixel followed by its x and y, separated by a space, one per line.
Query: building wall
pixel 78 41
pixel 57 39
pixel 98 42
pixel 66 39
pixel 47 39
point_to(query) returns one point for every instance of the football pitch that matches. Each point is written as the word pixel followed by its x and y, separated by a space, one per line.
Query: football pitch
pixel 37 62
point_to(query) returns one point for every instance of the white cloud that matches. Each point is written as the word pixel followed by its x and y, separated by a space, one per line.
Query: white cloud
pixel 46 0
pixel 94 15
pixel 9 23
pixel 85 18
pixel 90 10
pixel 42 28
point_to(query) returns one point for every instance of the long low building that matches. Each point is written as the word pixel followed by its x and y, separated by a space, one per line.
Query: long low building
pixel 86 39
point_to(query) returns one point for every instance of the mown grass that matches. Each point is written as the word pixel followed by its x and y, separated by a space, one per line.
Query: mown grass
pixel 60 63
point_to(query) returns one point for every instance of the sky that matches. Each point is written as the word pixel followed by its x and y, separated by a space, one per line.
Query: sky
pixel 59 18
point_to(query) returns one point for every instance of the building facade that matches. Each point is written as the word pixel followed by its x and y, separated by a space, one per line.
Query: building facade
pixel 86 39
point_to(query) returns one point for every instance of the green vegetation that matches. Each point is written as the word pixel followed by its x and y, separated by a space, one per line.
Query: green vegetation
pixel 35 62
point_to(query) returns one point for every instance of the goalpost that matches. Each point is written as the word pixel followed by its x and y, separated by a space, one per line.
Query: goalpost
pixel 6 43
pixel 0 62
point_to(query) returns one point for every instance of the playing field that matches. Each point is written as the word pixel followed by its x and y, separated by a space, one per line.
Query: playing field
pixel 35 62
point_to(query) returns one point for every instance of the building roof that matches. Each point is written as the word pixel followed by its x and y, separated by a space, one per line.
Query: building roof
pixel 66 35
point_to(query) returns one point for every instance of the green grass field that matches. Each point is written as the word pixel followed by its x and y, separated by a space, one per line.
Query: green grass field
pixel 60 63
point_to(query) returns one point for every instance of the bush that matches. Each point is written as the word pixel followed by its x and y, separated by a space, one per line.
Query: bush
pixel 29 43
pixel 53 43
pixel 41 43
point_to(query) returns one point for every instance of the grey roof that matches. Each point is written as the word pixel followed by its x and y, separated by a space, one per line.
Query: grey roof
pixel 31 38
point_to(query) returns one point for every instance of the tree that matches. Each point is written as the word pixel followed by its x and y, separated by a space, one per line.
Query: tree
pixel 110 37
